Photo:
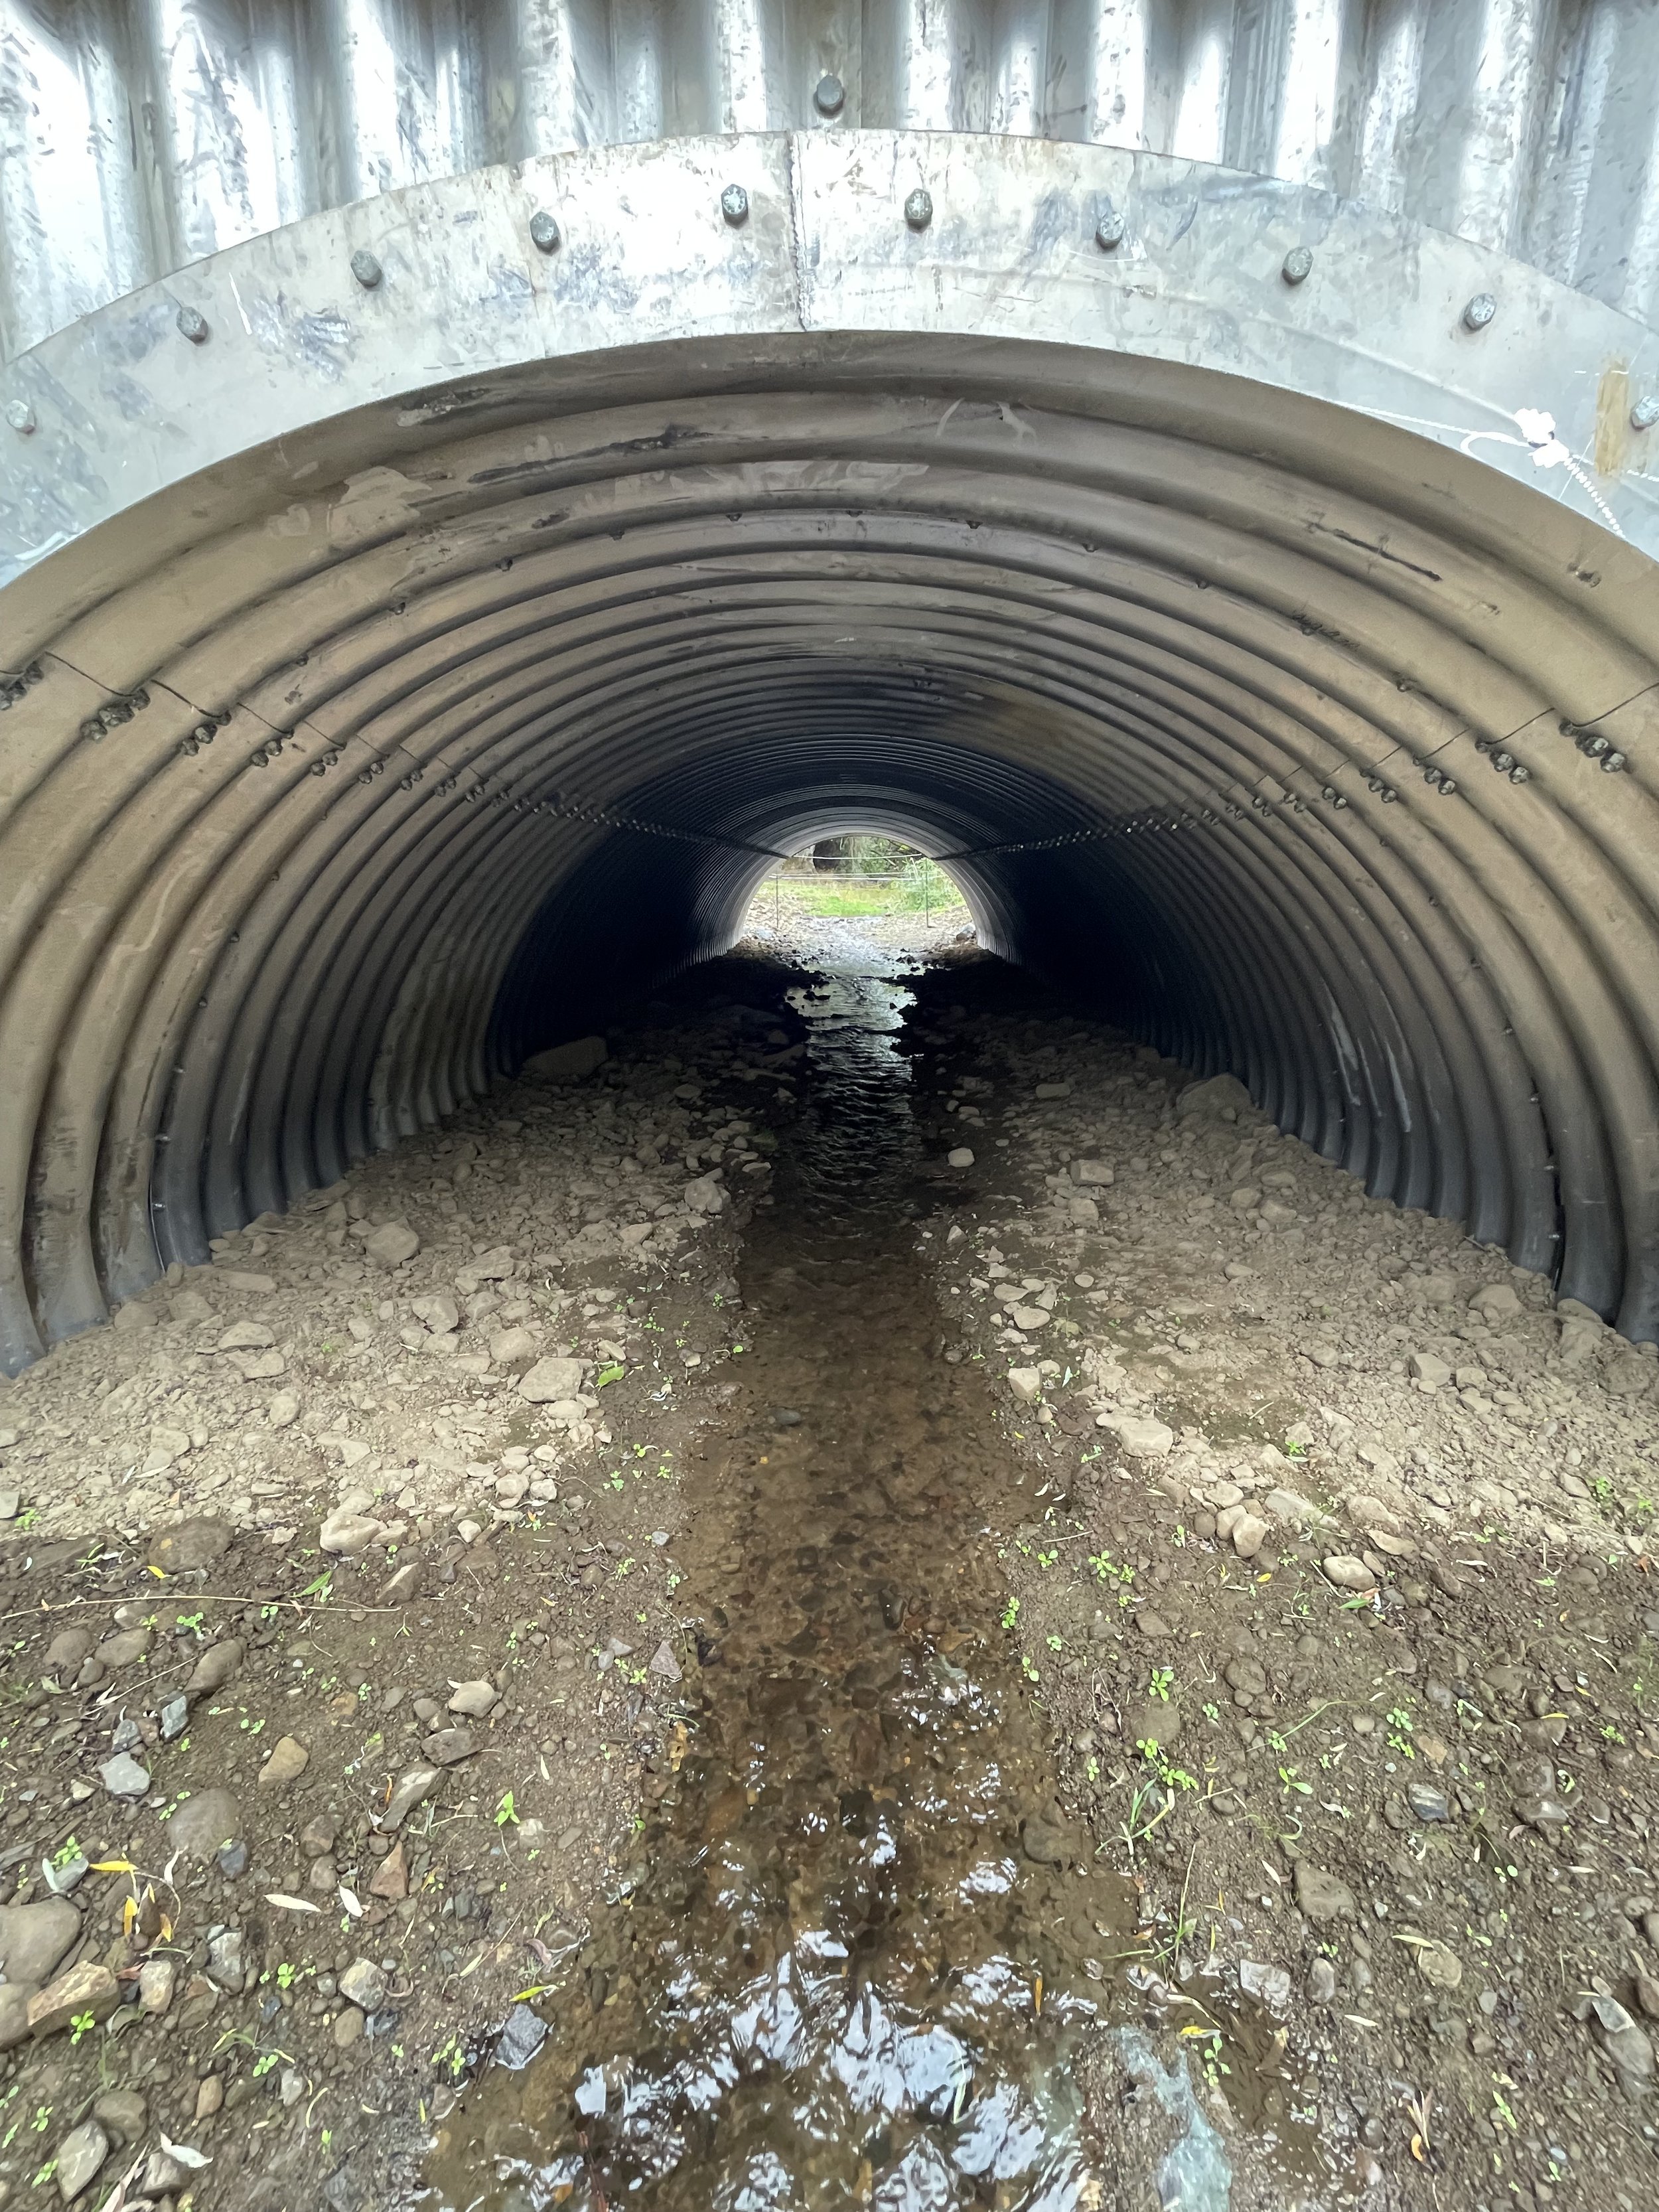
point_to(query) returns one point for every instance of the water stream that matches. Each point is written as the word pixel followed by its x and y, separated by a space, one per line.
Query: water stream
pixel 868 1956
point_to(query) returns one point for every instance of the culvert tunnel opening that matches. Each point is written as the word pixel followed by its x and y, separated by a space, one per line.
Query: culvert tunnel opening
pixel 1285 733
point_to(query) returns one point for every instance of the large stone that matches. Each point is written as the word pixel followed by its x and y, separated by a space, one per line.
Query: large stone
pixel 15 2012
pixel 1322 1897
pixel 1495 1302
pixel 705 1194
pixel 34 1938
pixel 1026 1384
pixel 513 1350
pixel 391 1244
pixel 86 1988
pixel 192 1546
pixel 549 1380
pixel 440 1313
pixel 1222 1095
pixel 79 2154
pixel 246 1336
pixel 1093 1174
pixel 125 1649
pixel 201 1824
pixel 567 1063
pixel 1426 1367
pixel 123 1777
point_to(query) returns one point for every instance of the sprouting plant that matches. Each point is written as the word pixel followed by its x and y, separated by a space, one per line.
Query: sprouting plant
pixel 1172 1777
pixel 1056 1643
pixel 1027 1668
pixel 269 1612
pixel 1611 1735
pixel 1290 1779
pixel 1047 1559
pixel 67 1853
pixel 505 1813
pixel 1211 1713
pixel 1162 1682
pixel 193 1621
pixel 264 2062
pixel 1011 1612
pixel 81 2024
pixel 1400 1730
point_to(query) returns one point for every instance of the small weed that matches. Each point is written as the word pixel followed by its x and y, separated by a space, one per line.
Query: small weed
pixel 1162 1682
pixel 82 2025
pixel 1011 1612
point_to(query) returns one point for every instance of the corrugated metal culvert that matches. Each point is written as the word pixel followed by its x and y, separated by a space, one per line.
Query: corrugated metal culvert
pixel 424 618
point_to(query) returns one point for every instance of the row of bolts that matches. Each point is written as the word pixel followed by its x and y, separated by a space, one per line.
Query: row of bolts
pixel 829 98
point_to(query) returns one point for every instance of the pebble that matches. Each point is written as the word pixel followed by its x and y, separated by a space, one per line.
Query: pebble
pixel 155 1980
pixel 1428 1802
pixel 475 1699
pixel 364 1985
pixel 1321 1896
pixel 959 1155
pixel 123 2115
pixel 123 1777
pixel 1322 1982
pixel 411 1789
pixel 391 1244
pixel 1268 1985
pixel 1348 1573
pixel 192 1546
pixel 287 1761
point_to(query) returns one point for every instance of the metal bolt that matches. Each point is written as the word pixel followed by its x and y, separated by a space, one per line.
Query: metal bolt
pixel 1612 762
pixel 21 416
pixel 1297 263
pixel 191 325
pixel 366 269
pixel 1503 762
pixel 1109 231
pixel 830 96
pixel 1592 744
pixel 1645 413
pixel 1480 311
pixel 1519 775
pixel 919 208
pixel 1448 784
pixel 544 234
pixel 734 204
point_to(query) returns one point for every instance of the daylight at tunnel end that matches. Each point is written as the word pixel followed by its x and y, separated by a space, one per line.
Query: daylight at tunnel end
pixel 399 673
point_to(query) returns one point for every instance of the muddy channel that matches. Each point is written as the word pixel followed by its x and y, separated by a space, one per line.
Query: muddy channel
pixel 867 1955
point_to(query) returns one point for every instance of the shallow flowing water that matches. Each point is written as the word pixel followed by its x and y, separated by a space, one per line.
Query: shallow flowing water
pixel 866 1951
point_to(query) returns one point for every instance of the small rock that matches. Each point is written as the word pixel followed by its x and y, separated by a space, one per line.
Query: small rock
pixel 411 1789
pixel 1093 1174
pixel 283 1410
pixel 549 1380
pixel 347 2029
pixel 67 1650
pixel 1248 1535
pixel 523 2033
pixel 1348 1573
pixel 391 1244
pixel 449 1746
pixel 475 1700
pixel 364 1985
pixel 287 1761
pixel 514 1350
pixel 1428 1802
pixel 1439 1965
pixel 440 1313
pixel 155 1980
pixel 210 2095
pixel 201 1824
pixel 123 1777
pixel 1321 1896
pixel 123 2115
pixel 79 2154
pixel 705 1194
pixel 1322 1982
pixel 231 1861
pixel 1247 1676
pixel 1026 1383
pixel 1425 1367
pixel 959 1155
pixel 1268 1985
pixel 133 1316
pixel 1224 1096
pixel 664 1663
pixel 391 1875
pixel 174 1717
pixel 1141 1438
pixel 190 1547
pixel 125 1649
pixel 346 1532
pixel 218 1665
pixel 1495 1302
pixel 246 1336
pixel 1043 1841
pixel 225 1959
